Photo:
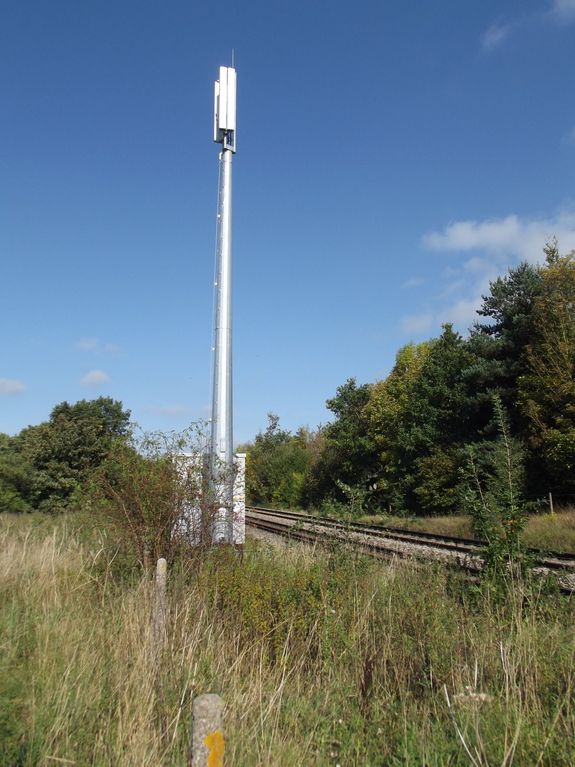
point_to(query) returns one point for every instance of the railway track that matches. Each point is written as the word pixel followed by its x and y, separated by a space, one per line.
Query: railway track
pixel 386 542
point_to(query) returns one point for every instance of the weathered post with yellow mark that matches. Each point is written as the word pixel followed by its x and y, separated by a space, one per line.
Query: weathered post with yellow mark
pixel 207 735
pixel 159 610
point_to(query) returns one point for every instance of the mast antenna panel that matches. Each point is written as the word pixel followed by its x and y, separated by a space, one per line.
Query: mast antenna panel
pixel 225 109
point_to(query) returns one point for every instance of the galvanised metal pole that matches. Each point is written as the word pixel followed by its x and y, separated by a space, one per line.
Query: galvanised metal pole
pixel 222 466
pixel 221 448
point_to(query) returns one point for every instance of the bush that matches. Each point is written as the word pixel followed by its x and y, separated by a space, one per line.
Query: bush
pixel 148 486
pixel 493 498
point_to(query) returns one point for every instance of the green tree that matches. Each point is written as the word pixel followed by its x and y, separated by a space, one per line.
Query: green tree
pixel 277 464
pixel 66 449
pixel 435 423
pixel 547 389
pixel 349 455
pixel 385 410
pixel 499 345
pixel 16 477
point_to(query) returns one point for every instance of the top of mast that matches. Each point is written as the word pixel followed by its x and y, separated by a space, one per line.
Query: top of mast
pixel 225 109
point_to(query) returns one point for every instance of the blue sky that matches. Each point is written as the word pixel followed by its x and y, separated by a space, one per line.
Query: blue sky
pixel 393 157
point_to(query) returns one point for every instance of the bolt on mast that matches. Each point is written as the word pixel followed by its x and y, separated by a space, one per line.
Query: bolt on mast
pixel 221 443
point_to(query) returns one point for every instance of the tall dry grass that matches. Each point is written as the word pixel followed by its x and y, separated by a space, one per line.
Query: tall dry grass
pixel 322 658
pixel 554 532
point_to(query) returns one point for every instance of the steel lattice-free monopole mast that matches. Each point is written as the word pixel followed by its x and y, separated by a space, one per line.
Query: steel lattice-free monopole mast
pixel 221 443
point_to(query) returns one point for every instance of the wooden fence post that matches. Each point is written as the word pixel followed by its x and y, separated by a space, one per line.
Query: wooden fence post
pixel 159 609
pixel 551 503
pixel 207 748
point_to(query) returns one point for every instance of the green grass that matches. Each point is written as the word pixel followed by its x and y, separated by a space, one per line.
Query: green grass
pixel 322 658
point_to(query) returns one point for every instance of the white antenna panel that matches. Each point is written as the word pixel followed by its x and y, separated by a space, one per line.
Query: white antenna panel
pixel 225 107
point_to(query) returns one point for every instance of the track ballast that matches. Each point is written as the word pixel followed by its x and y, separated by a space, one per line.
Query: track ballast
pixel 386 542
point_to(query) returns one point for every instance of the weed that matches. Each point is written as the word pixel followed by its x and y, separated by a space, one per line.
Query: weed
pixel 321 658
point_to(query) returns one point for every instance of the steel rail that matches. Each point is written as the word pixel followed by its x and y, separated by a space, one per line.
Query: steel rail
pixel 548 558
pixel 384 541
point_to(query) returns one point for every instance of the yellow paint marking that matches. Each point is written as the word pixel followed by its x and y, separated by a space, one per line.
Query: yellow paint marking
pixel 214 742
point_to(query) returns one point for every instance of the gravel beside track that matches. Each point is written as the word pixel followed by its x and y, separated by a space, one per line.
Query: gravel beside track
pixel 463 553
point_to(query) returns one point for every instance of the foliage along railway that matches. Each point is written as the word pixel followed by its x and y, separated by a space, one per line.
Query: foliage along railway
pixel 386 542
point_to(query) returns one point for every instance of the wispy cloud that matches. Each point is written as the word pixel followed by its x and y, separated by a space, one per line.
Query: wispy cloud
pixel 560 12
pixel 563 10
pixel 416 324
pixel 95 345
pixel 11 386
pixel 486 248
pixel 495 35
pixel 95 378
pixel 454 286
pixel 87 344
pixel 461 313
pixel 413 282
pixel 511 238
pixel 569 137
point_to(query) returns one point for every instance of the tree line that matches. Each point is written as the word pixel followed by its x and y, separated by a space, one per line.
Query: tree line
pixel 404 444
pixel 46 467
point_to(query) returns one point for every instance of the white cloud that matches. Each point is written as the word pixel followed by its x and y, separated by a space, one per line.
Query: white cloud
pixel 413 282
pixel 462 313
pixel 476 265
pixel 451 288
pixel 416 323
pixel 555 11
pixel 563 10
pixel 495 245
pixel 87 344
pixel 569 137
pixel 510 238
pixel 94 345
pixel 495 35
pixel 11 386
pixel 94 378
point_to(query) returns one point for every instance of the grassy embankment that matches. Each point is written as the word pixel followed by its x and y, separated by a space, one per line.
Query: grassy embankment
pixel 322 658
pixel 545 531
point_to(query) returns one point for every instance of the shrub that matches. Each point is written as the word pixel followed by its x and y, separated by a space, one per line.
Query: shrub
pixel 148 487
pixel 493 497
